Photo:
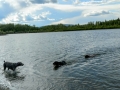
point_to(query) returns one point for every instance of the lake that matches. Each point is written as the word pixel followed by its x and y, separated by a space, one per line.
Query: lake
pixel 38 51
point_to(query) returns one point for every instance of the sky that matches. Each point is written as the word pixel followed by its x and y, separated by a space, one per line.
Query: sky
pixel 49 12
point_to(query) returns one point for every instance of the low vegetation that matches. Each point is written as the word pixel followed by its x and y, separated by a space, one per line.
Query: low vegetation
pixel 20 28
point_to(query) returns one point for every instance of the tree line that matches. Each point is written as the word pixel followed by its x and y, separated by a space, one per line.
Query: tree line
pixel 20 28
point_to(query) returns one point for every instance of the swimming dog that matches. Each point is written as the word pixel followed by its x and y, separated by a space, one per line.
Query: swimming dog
pixel 90 56
pixel 87 56
pixel 11 65
pixel 58 64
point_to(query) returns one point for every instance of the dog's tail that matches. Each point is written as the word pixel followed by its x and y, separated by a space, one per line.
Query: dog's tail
pixel 4 61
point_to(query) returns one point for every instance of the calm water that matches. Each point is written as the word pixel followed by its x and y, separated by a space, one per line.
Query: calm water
pixel 39 50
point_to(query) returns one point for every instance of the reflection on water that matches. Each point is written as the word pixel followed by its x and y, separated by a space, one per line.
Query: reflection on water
pixel 13 76
pixel 57 67
pixel 38 51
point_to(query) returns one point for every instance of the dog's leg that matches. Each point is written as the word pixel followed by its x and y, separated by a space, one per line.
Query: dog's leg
pixel 13 69
pixel 4 68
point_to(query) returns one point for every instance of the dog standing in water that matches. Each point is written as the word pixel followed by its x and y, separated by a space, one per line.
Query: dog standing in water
pixel 11 65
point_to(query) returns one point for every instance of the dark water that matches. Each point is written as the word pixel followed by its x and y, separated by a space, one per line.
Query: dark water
pixel 39 50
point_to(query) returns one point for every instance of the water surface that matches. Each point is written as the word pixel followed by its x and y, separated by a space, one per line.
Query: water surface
pixel 39 50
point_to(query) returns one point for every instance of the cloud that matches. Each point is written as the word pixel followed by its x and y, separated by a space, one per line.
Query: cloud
pixel 43 1
pixel 65 0
pixel 40 11
pixel 97 13
pixel 16 4
pixel 22 11
pixel 5 9
pixel 65 21
pixel 76 2
pixel 8 7
pixel 113 1
pixel 94 2
pixel 83 20
pixel 46 10
pixel 91 2
pixel 25 17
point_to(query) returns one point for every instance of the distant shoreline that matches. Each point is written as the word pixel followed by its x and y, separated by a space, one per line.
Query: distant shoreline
pixel 12 28
pixel 56 31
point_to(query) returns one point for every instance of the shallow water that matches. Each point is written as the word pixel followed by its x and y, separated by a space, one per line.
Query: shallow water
pixel 39 50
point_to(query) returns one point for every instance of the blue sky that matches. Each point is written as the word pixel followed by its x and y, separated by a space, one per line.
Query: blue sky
pixel 48 12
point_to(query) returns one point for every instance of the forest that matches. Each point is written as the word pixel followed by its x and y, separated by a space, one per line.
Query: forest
pixel 12 28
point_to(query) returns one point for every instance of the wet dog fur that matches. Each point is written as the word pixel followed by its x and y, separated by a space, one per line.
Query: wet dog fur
pixel 56 63
pixel 11 65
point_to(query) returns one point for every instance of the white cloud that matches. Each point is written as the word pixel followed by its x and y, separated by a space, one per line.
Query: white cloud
pixel 33 10
pixel 36 12
pixel 16 4
pixel 92 2
pixel 27 16
pixel 95 2
pixel 65 0
pixel 23 14
pixel 43 1
pixel 50 19
pixel 66 21
pixel 83 20
pixel 83 9
pixel 5 9
pixel 97 13
pixel 76 2
pixel 112 1
pixel 65 8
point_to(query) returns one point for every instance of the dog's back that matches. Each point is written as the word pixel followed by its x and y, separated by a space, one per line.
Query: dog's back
pixel 56 63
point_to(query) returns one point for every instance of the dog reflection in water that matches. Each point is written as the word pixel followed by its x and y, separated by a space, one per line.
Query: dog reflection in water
pixel 58 64
pixel 13 75
pixel 9 74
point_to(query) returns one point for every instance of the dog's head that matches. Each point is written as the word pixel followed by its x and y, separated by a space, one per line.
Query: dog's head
pixel 55 63
pixel 20 64
pixel 87 56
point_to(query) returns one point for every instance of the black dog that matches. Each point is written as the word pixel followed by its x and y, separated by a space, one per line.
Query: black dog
pixel 12 66
pixel 90 56
pixel 87 56
pixel 58 64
